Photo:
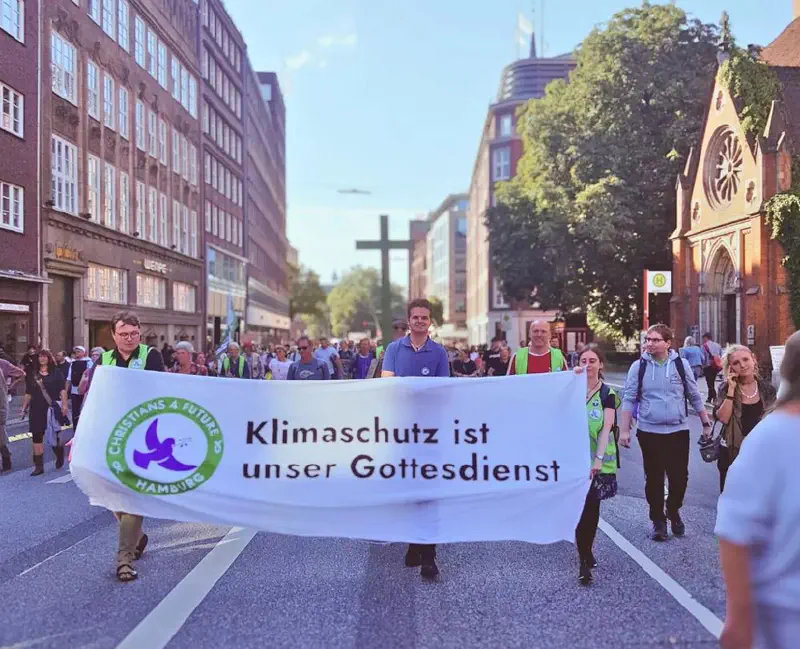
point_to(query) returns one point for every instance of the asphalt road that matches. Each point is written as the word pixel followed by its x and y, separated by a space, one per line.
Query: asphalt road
pixel 58 589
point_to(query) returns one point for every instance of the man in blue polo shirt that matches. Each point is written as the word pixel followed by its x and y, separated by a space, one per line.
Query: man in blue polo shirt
pixel 417 355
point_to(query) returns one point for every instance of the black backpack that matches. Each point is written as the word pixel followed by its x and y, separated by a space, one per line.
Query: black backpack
pixel 681 371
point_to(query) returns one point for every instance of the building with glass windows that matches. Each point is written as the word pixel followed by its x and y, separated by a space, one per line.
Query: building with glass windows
pixel 120 156
pixel 489 313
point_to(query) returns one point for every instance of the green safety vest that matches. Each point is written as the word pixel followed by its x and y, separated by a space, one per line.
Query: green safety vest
pixel 137 363
pixel 594 411
pixel 521 360
pixel 226 364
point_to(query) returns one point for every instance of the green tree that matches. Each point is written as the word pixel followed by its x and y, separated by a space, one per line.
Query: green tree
pixel 307 297
pixel 356 299
pixel 593 201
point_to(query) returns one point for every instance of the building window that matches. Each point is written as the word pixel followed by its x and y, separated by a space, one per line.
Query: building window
pixel 506 124
pixel 228 233
pixel 151 291
pixel 193 96
pixel 108 18
pixel 183 297
pixel 151 52
pixel 138 40
pixel 162 65
pixel 139 232
pixel 501 163
pixel 92 90
pixel 184 88
pixel 110 205
pixel 214 220
pixel 184 157
pixel 152 134
pixel 208 217
pixel 108 101
pixel 207 165
pixel 185 231
pixel 193 234
pixel 124 202
pixel 239 228
pixel 498 299
pixel 12 18
pixel 163 230
pixel 123 112
pixel 139 125
pixel 162 141
pixel 11 206
pixel 64 174
pixel 93 9
pixel 106 284
pixel 11 110
pixel 193 164
pixel 205 117
pixel 152 214
pixel 93 185
pixel 176 151
pixel 176 225
pixel 176 83
pixel 123 33
pixel 63 66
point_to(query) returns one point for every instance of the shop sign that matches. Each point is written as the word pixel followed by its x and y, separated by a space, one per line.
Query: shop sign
pixel 70 254
pixel 155 266
pixel 16 308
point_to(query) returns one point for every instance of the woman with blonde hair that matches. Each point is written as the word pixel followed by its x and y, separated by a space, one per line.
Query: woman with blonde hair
pixel 740 405
pixel 758 525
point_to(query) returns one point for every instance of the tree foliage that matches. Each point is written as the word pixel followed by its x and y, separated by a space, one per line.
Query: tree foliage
pixel 307 296
pixel 593 200
pixel 754 84
pixel 356 299
pixel 437 312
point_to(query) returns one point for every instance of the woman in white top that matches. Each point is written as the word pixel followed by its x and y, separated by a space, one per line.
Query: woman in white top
pixel 280 366
pixel 758 525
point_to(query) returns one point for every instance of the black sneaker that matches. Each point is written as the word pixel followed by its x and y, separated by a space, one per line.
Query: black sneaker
pixel 429 570
pixel 585 573
pixel 678 528
pixel 659 532
pixel 413 558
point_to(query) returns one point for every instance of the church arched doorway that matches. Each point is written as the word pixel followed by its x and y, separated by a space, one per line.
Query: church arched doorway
pixel 723 300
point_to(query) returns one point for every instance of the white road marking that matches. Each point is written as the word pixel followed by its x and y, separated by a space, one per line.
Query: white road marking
pixel 21 436
pixel 61 480
pixel 166 619
pixel 52 556
pixel 710 621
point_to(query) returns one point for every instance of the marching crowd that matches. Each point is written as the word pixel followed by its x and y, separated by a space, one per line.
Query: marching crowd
pixel 758 521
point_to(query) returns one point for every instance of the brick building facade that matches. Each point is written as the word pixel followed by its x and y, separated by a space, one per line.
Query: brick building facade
pixel 119 169
pixel 728 278
pixel 21 277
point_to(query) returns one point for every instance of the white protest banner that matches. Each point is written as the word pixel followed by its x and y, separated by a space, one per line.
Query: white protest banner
pixel 423 460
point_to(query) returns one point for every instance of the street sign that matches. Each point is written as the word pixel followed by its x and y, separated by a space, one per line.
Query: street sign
pixel 776 353
pixel 659 281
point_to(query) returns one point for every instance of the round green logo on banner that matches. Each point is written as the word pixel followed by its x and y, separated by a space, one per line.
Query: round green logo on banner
pixel 165 446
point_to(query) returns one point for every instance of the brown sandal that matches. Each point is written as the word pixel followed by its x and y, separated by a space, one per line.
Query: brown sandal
pixel 140 546
pixel 125 572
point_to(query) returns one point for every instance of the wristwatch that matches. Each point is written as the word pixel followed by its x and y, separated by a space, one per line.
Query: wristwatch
pixel 599 457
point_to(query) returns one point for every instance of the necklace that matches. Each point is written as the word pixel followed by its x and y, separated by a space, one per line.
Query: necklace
pixel 749 396
pixel 590 392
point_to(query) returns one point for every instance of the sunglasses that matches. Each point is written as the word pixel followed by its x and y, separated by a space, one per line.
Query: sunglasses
pixel 304 348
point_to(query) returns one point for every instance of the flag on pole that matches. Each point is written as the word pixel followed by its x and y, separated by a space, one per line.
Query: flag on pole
pixel 231 327
pixel 524 31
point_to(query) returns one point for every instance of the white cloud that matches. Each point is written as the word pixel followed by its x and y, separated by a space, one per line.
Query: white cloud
pixel 299 60
pixel 329 40
pixel 323 64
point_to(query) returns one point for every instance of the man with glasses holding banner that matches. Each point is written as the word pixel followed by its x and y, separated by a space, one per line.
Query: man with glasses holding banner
pixel 657 391
pixel 130 353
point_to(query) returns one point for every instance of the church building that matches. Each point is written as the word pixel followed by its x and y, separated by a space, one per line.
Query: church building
pixel 727 273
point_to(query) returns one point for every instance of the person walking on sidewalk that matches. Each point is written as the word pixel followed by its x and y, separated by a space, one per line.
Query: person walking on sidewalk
pixel 418 355
pixel 45 387
pixel 658 388
pixel 131 354
pixel 712 364
pixel 9 375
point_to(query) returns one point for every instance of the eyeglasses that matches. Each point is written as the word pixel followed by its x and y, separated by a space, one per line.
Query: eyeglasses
pixel 133 335
pixel 302 349
pixel 654 340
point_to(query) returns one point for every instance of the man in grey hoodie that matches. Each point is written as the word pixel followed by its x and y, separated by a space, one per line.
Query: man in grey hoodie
pixel 663 429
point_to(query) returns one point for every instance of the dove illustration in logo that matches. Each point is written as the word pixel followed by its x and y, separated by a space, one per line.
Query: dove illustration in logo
pixel 159 452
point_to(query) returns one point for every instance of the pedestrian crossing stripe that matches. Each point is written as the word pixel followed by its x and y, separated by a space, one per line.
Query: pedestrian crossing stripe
pixel 21 436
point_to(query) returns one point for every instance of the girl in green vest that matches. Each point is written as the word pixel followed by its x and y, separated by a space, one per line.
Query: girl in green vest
pixel 601 409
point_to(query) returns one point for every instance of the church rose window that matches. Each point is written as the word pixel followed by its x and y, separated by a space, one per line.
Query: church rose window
pixel 723 169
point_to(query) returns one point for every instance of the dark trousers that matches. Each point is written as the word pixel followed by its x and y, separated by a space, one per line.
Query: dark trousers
pixel 665 454
pixel 77 404
pixel 587 527
pixel 723 464
pixel 711 375
pixel 428 551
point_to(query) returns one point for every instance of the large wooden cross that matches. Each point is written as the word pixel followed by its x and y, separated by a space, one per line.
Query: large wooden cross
pixel 384 244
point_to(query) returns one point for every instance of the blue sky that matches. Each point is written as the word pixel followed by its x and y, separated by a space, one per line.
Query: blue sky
pixel 391 96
